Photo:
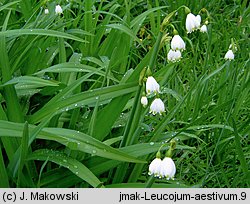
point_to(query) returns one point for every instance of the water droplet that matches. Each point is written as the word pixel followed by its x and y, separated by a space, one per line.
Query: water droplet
pixel 96 98
pixel 75 166
pixel 77 172
pixel 94 151
pixel 151 143
pixel 76 105
pixel 66 109
pixel 31 30
pixel 64 160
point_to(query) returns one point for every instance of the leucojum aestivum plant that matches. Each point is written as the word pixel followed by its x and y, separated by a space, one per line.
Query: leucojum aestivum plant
pixel 124 94
pixel 165 168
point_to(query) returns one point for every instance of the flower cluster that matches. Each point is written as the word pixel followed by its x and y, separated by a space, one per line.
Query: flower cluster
pixel 162 168
pixel 194 23
pixel 177 45
pixel 58 10
pixel 152 87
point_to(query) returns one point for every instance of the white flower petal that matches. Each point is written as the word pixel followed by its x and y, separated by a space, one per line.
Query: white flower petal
pixel 168 168
pixel 229 55
pixel 198 21
pixel 144 101
pixel 152 86
pixel 157 106
pixel 177 43
pixel 174 55
pixel 58 9
pixel 46 11
pixel 154 167
pixel 203 29
pixel 192 22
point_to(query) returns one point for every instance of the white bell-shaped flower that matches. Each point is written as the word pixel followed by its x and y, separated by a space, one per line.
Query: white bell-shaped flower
pixel 192 22
pixel 155 167
pixel 174 56
pixel 203 29
pixel 58 9
pixel 157 106
pixel 229 55
pixel 152 86
pixel 46 11
pixel 177 43
pixel 144 101
pixel 168 168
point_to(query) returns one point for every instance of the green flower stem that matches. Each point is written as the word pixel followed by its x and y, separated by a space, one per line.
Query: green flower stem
pixel 135 115
pixel 135 174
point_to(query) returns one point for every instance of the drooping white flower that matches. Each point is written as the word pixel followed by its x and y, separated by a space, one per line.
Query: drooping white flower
pixel 46 11
pixel 155 167
pixel 174 56
pixel 168 168
pixel 198 20
pixel 177 43
pixel 203 29
pixel 192 22
pixel 58 9
pixel 229 55
pixel 157 106
pixel 152 86
pixel 144 101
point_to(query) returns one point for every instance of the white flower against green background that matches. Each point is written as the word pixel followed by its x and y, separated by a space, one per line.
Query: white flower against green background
pixel 177 43
pixel 229 55
pixel 152 86
pixel 157 106
pixel 58 9
pixel 155 167
pixel 162 168
pixel 144 101
pixel 174 56
pixel 168 168
pixel 46 11
pixel 203 29
pixel 192 22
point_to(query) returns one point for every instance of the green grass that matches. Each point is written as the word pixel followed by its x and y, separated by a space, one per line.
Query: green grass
pixel 70 112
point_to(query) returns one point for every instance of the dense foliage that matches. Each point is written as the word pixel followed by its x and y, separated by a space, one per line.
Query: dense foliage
pixel 71 87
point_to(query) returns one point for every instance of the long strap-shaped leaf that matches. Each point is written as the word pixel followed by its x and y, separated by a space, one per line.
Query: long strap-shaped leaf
pixel 42 32
pixel 73 165
pixel 86 98
pixel 71 138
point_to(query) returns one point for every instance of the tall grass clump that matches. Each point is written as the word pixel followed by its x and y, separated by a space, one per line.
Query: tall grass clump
pixel 124 93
